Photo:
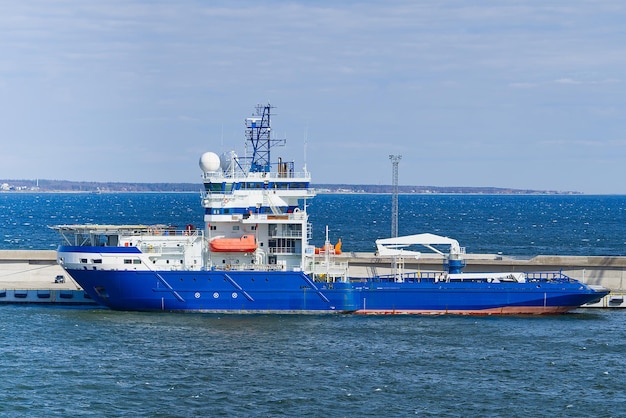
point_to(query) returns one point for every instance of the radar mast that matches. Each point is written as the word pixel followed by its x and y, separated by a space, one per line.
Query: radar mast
pixel 258 133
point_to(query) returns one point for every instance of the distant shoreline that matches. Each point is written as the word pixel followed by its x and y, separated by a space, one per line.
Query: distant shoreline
pixel 66 186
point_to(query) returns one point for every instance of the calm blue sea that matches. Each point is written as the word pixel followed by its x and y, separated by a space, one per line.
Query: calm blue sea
pixel 95 362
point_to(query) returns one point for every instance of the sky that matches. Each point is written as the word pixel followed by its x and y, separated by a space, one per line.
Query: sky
pixel 511 94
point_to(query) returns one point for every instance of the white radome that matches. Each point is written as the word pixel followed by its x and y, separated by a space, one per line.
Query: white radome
pixel 209 162
pixel 227 160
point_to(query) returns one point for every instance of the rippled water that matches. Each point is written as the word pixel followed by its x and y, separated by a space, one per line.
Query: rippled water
pixel 94 362
pixel 523 225
pixel 70 361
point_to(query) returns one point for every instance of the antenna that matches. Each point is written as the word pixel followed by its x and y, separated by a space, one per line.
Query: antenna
pixel 222 138
pixel 258 133
pixel 306 142
pixel 395 159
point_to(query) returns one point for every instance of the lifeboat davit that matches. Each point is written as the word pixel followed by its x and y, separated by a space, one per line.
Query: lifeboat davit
pixel 245 244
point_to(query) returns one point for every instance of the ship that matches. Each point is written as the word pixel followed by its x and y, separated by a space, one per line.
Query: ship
pixel 253 255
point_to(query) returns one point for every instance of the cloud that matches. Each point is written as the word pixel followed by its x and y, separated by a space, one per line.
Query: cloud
pixel 438 80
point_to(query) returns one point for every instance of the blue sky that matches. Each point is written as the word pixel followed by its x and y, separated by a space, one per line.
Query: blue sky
pixel 519 94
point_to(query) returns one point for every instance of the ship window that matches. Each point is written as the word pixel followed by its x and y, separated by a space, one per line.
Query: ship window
pixel 97 261
pixel 213 228
pixel 83 260
pixel 128 261
pixel 214 187
pixel 136 261
pixel 236 228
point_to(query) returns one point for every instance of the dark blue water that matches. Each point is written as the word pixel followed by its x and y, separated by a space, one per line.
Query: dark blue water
pixel 94 362
pixel 90 362
pixel 512 225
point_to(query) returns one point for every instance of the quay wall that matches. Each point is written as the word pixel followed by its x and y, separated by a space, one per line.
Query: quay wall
pixel 32 269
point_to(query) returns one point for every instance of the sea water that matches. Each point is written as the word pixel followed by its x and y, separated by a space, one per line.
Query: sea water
pixel 60 361
pixel 94 362
pixel 520 225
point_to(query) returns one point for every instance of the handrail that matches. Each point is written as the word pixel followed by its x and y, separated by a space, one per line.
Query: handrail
pixel 258 176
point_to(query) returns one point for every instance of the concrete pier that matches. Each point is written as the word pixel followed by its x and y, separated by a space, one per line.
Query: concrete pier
pixel 28 276
pixel 32 271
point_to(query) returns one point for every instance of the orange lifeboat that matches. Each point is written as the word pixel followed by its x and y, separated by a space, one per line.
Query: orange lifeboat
pixel 329 247
pixel 245 244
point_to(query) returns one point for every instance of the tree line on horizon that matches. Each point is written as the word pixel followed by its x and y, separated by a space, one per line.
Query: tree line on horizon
pixel 90 186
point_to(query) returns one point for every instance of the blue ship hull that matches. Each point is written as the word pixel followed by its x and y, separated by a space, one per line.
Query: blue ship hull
pixel 294 292
pixel 474 297
pixel 215 291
